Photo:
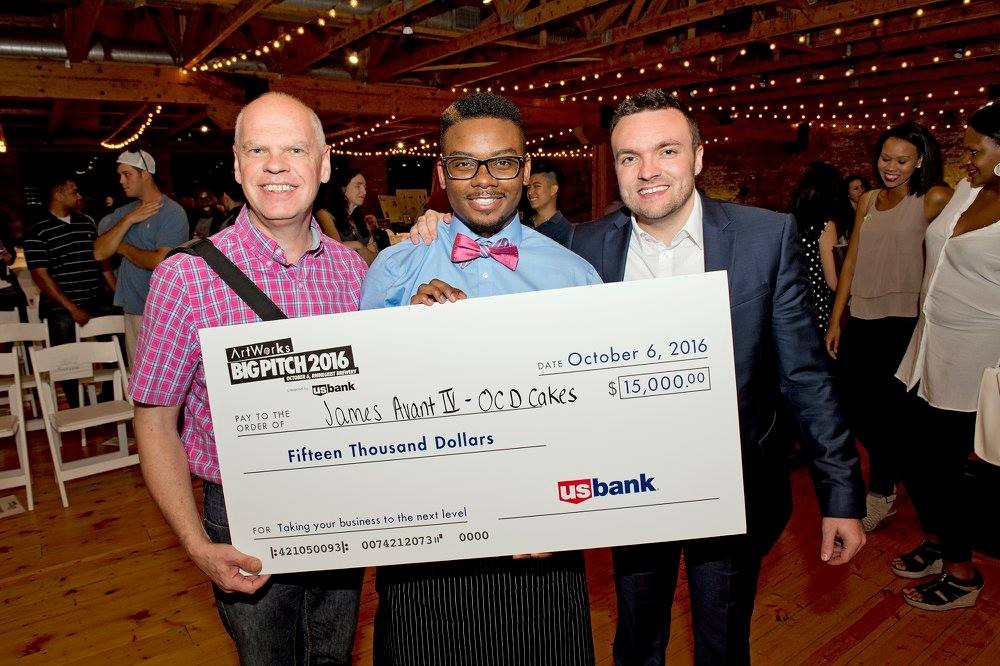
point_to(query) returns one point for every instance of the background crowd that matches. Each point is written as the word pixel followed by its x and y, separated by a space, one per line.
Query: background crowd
pixel 903 267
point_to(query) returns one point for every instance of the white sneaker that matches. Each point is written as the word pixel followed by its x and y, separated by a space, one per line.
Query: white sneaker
pixel 879 508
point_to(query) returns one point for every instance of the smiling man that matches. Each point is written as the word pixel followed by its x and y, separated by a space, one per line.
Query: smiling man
pixel 667 228
pixel 496 611
pixel 280 159
pixel 543 197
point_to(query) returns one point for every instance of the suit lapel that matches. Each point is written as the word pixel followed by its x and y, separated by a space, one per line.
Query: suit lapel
pixel 616 246
pixel 719 245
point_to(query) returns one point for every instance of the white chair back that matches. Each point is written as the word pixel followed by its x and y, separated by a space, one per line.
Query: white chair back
pixel 18 332
pixel 14 425
pixel 76 360
pixel 106 325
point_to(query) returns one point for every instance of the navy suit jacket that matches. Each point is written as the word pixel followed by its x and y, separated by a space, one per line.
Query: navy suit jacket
pixel 777 352
pixel 558 228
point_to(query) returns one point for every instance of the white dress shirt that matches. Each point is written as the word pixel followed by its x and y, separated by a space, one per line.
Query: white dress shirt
pixel 650 258
pixel 958 333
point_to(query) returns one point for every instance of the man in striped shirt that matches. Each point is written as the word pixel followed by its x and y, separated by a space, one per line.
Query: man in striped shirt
pixel 59 250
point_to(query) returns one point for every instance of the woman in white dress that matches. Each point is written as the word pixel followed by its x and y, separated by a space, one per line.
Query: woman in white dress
pixel 956 338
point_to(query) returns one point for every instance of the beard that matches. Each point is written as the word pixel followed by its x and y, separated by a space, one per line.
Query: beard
pixel 653 212
pixel 489 229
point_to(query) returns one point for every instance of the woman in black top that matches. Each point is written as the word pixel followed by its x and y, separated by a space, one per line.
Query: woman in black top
pixel 821 211
pixel 341 216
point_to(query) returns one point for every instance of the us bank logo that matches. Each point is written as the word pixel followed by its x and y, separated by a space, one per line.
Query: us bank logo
pixel 574 491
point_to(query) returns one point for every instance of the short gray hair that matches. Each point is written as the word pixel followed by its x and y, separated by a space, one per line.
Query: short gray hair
pixel 313 118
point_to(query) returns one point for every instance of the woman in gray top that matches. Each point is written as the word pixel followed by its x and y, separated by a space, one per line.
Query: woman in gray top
pixel 880 281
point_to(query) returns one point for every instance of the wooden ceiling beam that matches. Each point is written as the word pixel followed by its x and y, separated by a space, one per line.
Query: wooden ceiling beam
pixel 124 82
pixel 803 63
pixel 548 12
pixel 80 22
pixel 650 25
pixel 377 20
pixel 609 17
pixel 635 12
pixel 764 31
pixel 880 83
pixel 168 23
pixel 237 16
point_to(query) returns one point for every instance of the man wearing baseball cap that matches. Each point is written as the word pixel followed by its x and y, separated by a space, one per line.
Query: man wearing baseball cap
pixel 142 232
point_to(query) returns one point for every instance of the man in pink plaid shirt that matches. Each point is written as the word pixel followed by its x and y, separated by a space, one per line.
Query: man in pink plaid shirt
pixel 280 160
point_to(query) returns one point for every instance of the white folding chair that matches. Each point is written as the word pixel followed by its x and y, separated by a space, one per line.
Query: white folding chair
pixel 9 317
pixel 12 425
pixel 107 325
pixel 76 360
pixel 33 335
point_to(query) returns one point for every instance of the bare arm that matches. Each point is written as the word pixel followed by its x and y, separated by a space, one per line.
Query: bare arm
pixel 165 470
pixel 148 259
pixel 843 295
pixel 55 293
pixel 826 242
pixel 935 200
pixel 108 274
pixel 364 250
pixel 108 243
pixel 327 225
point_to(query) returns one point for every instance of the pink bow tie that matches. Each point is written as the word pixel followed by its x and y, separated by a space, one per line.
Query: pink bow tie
pixel 465 250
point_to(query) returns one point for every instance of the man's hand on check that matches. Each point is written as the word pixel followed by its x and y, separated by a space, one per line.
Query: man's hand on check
pixel 223 563
pixel 436 291
pixel 532 556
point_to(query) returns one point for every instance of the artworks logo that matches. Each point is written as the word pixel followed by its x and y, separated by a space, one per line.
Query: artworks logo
pixel 277 359
pixel 579 490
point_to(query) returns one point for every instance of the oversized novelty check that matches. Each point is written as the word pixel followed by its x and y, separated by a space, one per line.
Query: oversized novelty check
pixel 546 421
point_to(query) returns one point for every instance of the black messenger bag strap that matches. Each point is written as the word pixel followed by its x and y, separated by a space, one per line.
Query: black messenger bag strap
pixel 233 276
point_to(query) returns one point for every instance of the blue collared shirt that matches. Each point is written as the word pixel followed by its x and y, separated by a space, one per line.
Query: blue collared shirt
pixel 542 264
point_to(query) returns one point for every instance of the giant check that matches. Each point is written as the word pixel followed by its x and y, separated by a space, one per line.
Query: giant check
pixel 555 420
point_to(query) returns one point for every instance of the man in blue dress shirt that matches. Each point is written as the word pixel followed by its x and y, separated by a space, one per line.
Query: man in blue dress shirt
pixel 529 609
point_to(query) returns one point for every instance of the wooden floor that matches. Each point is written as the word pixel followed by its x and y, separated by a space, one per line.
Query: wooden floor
pixel 106 582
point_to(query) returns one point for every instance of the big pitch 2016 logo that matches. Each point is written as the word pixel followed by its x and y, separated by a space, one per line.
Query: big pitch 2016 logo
pixel 575 491
pixel 277 359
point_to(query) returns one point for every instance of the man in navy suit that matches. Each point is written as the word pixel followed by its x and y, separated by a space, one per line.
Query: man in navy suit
pixel 667 228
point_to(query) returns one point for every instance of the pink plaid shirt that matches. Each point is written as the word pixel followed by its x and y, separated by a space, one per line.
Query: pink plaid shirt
pixel 185 295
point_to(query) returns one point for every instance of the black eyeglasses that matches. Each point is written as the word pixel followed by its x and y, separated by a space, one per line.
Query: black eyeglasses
pixel 460 167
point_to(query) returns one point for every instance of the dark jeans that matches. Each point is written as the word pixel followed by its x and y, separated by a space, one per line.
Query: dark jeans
pixel 722 580
pixel 306 618
pixel 938 448
pixel 870 352
pixel 62 330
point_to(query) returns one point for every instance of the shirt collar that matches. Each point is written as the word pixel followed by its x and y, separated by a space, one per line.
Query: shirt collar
pixel 267 247
pixel 513 232
pixel 693 229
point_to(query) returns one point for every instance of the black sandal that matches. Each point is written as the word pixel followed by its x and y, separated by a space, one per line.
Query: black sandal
pixel 947 592
pixel 924 560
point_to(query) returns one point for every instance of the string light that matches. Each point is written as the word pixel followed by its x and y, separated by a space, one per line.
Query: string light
pixel 321 20
pixel 107 143
pixel 357 133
